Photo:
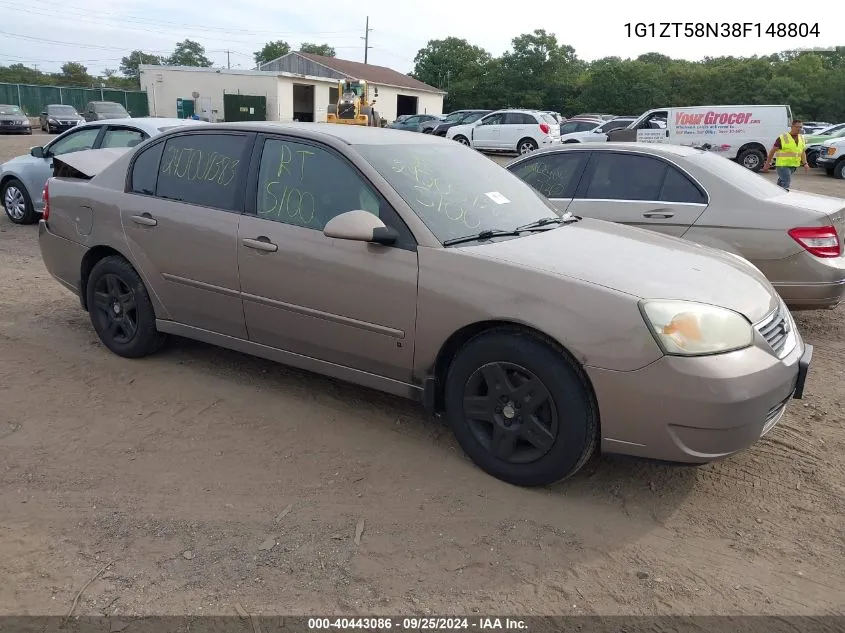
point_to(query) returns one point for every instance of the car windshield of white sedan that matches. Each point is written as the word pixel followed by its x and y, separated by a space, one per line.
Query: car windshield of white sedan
pixel 455 190
pixel 739 176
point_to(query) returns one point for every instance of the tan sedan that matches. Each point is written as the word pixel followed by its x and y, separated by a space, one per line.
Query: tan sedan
pixel 418 267
pixel 794 238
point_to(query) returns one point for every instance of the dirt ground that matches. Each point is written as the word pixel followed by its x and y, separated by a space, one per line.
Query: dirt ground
pixel 208 478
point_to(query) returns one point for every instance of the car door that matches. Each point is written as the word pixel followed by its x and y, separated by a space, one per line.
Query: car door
pixel 555 175
pixel 40 169
pixel 343 302
pixel 486 134
pixel 516 125
pixel 122 136
pixel 181 225
pixel 640 190
pixel 410 123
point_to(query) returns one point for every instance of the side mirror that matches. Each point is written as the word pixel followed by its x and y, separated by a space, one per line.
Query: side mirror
pixel 360 226
pixel 37 152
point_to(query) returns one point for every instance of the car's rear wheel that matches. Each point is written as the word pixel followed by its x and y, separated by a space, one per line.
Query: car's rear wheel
pixel 521 409
pixel 17 203
pixel 526 146
pixel 463 140
pixel 121 310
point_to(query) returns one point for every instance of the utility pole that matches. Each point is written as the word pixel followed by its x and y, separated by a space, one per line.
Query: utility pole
pixel 228 61
pixel 366 39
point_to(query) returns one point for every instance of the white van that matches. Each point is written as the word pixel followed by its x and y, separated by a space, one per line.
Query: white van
pixel 743 133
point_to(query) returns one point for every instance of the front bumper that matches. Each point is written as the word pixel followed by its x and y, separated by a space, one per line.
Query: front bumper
pixel 826 161
pixel 15 129
pixel 696 410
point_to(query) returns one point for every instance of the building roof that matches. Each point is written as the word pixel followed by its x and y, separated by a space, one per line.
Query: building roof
pixel 368 72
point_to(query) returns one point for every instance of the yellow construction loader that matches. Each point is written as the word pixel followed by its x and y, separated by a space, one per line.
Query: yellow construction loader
pixel 354 106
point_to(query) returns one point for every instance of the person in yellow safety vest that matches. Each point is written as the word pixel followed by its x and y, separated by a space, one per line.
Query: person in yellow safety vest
pixel 789 154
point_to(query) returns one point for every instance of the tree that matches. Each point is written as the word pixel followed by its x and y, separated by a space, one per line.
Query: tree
pixel 74 73
pixel 271 51
pixel 453 65
pixel 129 65
pixel 189 53
pixel 20 74
pixel 316 49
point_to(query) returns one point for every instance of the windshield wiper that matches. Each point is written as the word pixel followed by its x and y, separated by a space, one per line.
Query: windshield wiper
pixel 546 221
pixel 483 235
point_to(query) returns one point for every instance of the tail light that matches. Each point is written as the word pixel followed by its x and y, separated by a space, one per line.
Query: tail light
pixel 45 214
pixel 821 241
pixel 544 128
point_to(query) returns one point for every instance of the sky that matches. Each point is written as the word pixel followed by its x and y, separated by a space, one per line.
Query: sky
pixel 98 33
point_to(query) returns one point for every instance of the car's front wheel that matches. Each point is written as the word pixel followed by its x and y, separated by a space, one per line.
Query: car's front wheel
pixel 520 408
pixel 17 203
pixel 121 310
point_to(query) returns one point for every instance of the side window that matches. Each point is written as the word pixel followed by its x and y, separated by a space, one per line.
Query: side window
pixel 493 119
pixel 145 170
pixel 122 137
pixel 678 188
pixel 585 127
pixel 519 118
pixel 76 141
pixel 292 185
pixel 555 175
pixel 625 177
pixel 203 169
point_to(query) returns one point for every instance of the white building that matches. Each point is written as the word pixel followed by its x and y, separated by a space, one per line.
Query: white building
pixel 296 86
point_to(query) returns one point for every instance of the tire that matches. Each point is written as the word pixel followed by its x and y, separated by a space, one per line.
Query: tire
pixel 463 140
pixel 113 282
pixel 567 443
pixel 752 159
pixel 839 170
pixel 811 159
pixel 17 203
pixel 427 130
pixel 526 146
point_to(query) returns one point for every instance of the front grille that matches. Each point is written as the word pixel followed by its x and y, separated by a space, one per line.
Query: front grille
pixel 346 111
pixel 777 329
pixel 773 416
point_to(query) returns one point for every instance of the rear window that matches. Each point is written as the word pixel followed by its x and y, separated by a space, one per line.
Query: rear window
pixel 548 118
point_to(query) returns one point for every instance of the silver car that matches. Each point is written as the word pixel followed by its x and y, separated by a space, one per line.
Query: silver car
pixel 22 178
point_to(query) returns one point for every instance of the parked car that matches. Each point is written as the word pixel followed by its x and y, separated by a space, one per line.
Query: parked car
pixel 413 123
pixel 743 133
pixel 813 127
pixel 596 134
pixel 100 110
pixel 815 142
pixel 594 115
pixel 519 131
pixel 459 117
pixel 794 238
pixel 827 131
pixel 13 120
pixel 59 118
pixel 429 272
pixel 22 179
pixel 831 158
pixel 557 116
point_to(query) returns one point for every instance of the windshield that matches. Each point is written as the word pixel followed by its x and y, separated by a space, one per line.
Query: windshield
pixel 472 117
pixel 109 107
pixel 61 110
pixel 736 174
pixel 455 190
pixel 454 117
pixel 10 109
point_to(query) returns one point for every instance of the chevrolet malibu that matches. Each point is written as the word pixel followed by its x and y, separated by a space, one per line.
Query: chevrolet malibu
pixel 793 237
pixel 418 267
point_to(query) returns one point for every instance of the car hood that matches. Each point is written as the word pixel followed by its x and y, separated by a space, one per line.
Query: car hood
pixel 19 162
pixel 642 263
pixel 464 128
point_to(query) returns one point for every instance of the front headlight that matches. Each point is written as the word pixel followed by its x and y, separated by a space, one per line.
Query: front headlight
pixel 687 328
pixel 51 120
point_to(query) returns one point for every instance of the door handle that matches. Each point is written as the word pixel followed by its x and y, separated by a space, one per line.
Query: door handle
pixel 145 219
pixel 260 244
pixel 663 215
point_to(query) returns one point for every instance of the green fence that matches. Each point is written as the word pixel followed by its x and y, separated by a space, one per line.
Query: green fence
pixel 33 99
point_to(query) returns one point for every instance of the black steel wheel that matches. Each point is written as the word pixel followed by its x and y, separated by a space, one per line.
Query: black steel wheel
pixel 520 408
pixel 121 310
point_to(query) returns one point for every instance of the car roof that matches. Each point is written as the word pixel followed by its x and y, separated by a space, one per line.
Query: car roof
pixel 145 123
pixel 658 149
pixel 348 134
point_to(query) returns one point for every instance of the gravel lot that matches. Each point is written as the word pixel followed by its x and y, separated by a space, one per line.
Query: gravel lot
pixel 209 478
